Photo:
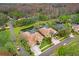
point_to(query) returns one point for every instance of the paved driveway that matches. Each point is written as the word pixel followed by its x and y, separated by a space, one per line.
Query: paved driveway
pixel 55 41
pixel 36 50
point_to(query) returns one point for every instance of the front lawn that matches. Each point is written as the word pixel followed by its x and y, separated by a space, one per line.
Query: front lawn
pixel 46 43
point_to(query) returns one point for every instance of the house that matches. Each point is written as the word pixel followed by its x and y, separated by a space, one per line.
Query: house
pixel 38 36
pixel 29 38
pixel 76 28
pixel 32 38
pixel 47 31
pixel 35 37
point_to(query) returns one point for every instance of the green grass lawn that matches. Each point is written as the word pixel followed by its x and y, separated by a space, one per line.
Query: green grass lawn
pixel 46 47
pixel 60 38
pixel 46 43
pixel 72 49
pixel 4 37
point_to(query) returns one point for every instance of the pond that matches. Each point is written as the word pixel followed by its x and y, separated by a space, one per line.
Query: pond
pixel 30 29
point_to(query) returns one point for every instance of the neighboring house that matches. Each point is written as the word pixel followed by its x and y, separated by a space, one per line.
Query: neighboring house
pixel 47 31
pixel 32 38
pixel 76 28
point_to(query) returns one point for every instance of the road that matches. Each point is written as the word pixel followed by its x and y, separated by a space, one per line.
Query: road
pixel 50 50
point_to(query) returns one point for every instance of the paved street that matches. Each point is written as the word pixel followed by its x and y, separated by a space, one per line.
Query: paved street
pixel 51 49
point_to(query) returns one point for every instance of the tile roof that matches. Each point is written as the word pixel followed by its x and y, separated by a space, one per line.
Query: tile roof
pixel 47 31
pixel 32 38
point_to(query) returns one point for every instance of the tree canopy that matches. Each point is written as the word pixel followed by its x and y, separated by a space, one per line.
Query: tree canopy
pixel 3 19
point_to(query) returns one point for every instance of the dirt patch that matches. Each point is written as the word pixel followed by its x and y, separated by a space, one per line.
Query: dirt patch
pixel 5 53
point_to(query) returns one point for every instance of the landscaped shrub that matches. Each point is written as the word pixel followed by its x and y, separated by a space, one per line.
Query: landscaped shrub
pixel 65 30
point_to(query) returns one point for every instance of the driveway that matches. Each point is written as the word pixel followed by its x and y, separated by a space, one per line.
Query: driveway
pixel 36 50
pixel 55 41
